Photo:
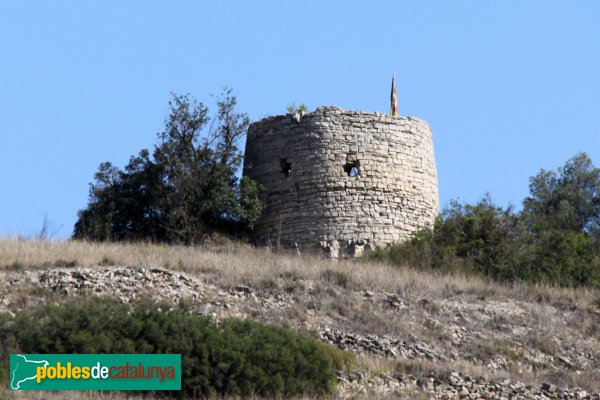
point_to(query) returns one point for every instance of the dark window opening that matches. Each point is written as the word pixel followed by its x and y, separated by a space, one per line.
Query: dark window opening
pixel 286 167
pixel 352 168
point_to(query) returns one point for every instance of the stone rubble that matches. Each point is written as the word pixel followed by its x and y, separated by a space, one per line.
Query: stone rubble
pixel 273 305
pixel 127 284
pixel 379 346
pixel 454 385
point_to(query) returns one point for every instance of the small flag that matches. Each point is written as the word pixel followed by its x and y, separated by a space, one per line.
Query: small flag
pixel 394 102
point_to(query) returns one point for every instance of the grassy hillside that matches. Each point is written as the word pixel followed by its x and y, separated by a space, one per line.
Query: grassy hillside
pixel 415 333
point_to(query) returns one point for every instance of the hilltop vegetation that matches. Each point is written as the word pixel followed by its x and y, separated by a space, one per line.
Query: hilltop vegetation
pixel 554 239
pixel 183 190
pixel 187 191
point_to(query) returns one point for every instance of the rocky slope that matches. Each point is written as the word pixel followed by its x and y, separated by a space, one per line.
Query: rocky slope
pixel 451 341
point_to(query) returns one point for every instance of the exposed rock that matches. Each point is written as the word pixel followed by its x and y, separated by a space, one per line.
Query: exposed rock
pixel 494 336
pixel 451 386
pixel 380 346
pixel 126 283
pixel 549 387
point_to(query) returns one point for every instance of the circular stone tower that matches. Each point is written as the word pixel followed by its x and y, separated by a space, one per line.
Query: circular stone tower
pixel 342 181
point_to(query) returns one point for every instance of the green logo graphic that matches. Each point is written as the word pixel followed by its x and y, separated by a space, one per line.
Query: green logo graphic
pixel 95 371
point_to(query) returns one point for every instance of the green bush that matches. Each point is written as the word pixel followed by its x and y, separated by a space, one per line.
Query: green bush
pixel 293 109
pixel 554 240
pixel 465 238
pixel 494 242
pixel 237 357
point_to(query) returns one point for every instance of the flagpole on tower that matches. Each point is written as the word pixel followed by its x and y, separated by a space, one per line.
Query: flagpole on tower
pixel 393 101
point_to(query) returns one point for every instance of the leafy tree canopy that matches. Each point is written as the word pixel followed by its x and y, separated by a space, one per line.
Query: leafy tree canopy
pixel 182 191
pixel 566 199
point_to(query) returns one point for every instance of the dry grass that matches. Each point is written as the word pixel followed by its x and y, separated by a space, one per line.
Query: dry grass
pixel 548 321
pixel 95 395
pixel 234 263
pixel 62 395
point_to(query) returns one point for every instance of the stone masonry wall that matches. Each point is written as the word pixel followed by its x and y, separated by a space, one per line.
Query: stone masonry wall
pixel 342 181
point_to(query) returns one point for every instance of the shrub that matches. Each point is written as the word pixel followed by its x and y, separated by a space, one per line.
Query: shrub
pixel 293 109
pixel 554 240
pixel 238 357
pixel 466 238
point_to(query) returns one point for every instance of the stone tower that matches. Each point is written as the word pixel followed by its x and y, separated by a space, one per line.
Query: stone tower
pixel 342 181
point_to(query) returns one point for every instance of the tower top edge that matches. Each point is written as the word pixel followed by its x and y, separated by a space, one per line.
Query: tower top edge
pixel 332 110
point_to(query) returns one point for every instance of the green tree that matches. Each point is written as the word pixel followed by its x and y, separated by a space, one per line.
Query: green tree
pixel 561 220
pixel 568 199
pixel 124 205
pixel 185 190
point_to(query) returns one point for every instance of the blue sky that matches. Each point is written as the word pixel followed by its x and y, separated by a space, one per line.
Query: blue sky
pixel 508 87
